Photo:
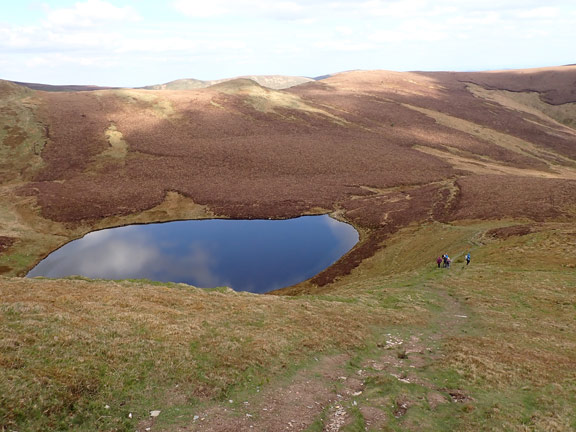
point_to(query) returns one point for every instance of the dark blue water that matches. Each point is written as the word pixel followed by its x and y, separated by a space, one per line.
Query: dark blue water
pixel 246 255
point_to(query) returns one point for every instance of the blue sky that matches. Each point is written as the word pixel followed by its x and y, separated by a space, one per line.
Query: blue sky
pixel 140 42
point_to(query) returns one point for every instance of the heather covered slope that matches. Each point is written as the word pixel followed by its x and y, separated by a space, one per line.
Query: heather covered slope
pixel 382 149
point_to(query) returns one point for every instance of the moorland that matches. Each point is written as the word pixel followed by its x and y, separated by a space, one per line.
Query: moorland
pixel 421 163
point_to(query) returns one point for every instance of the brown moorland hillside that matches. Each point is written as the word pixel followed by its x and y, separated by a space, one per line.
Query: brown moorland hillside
pixel 420 163
pixel 377 148
pixel 275 82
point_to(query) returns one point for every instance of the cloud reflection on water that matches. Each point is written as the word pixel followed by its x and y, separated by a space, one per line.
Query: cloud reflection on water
pixel 256 256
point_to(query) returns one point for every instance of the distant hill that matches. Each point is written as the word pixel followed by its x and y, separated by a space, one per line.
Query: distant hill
pixel 276 82
pixel 62 88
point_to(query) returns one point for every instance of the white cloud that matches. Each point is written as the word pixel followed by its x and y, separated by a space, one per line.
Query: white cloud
pixel 308 37
pixel 199 265
pixel 414 30
pixel 343 45
pixel 200 8
pixel 89 13
pixel 279 9
pixel 539 13
pixel 117 259
pixel 401 9
pixel 347 31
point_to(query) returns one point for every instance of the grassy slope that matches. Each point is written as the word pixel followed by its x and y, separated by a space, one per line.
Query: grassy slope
pixel 72 347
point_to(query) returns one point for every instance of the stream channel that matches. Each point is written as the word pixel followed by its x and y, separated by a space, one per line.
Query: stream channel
pixel 247 255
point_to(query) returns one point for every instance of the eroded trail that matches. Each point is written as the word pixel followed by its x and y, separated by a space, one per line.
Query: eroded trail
pixel 354 391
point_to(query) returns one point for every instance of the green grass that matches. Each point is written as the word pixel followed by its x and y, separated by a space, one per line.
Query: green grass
pixel 21 135
pixel 72 347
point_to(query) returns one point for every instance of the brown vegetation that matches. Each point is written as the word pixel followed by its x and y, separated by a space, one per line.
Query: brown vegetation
pixel 5 243
pixel 382 149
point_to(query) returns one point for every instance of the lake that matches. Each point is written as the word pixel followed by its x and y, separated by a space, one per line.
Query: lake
pixel 247 255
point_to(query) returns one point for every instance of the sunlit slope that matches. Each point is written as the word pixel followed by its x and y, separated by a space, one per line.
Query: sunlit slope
pixel 276 82
pixel 382 149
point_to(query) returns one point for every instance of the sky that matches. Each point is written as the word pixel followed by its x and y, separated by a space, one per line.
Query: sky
pixel 132 43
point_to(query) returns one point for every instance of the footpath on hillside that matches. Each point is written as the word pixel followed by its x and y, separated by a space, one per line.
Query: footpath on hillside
pixel 360 391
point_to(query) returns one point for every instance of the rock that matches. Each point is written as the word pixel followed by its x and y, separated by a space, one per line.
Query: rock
pixel 154 413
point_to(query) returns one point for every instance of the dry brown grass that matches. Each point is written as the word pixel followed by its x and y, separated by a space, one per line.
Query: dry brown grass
pixel 70 347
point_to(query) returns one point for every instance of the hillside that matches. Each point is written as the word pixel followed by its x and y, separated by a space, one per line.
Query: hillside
pixel 276 82
pixel 61 88
pixel 383 149
pixel 420 163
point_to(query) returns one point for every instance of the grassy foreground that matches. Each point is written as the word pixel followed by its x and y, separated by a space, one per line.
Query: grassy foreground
pixel 491 346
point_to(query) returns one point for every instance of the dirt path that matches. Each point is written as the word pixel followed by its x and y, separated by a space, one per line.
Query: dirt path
pixel 338 392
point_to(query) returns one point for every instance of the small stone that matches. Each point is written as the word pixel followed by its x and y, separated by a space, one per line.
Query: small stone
pixel 129 415
pixel 155 413
pixel 196 417
pixel 106 406
pixel 231 401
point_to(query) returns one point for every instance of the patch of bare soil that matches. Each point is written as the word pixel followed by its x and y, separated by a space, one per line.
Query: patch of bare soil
pixel 326 393
pixel 6 242
pixel 291 406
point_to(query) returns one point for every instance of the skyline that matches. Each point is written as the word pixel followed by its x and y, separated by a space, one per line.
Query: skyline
pixel 129 43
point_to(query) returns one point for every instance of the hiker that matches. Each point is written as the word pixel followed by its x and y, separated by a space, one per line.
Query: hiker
pixel 448 261
pixel 467 258
pixel 444 260
pixel 439 261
